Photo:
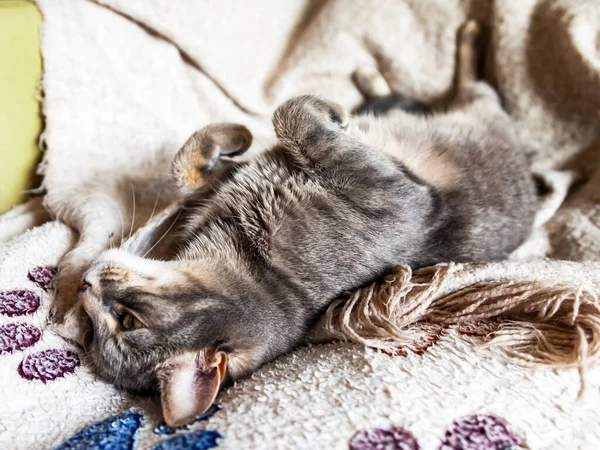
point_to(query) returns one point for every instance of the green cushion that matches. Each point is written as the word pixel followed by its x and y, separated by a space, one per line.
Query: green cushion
pixel 20 119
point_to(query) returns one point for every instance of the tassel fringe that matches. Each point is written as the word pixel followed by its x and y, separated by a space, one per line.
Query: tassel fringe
pixel 540 322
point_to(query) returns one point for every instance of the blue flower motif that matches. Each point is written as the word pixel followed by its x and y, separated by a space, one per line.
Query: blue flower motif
pixel 114 433
pixel 198 440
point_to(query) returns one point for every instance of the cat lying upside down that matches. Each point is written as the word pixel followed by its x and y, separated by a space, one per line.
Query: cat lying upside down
pixel 261 248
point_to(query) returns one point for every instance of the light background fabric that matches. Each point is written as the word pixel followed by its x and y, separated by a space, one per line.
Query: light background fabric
pixel 125 84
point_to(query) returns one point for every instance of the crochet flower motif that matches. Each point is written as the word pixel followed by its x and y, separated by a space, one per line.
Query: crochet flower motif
pixel 395 438
pixel 480 432
pixel 431 334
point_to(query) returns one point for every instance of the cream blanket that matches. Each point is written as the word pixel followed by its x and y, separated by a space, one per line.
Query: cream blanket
pixel 127 81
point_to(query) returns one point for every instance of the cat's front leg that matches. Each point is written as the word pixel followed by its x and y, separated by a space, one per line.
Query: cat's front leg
pixel 312 129
pixel 207 154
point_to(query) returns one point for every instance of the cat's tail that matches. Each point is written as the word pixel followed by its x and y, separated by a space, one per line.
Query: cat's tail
pixel 379 97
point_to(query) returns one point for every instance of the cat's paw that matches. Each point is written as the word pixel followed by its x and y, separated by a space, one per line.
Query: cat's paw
pixel 470 32
pixel 370 82
pixel 470 45
pixel 68 277
pixel 307 116
pixel 200 162
pixel 65 293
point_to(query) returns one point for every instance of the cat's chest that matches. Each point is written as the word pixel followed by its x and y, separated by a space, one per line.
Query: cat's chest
pixel 250 208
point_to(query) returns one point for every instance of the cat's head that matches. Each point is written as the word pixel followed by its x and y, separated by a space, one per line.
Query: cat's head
pixel 166 326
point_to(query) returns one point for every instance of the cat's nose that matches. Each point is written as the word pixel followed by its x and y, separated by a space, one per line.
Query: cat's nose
pixel 84 285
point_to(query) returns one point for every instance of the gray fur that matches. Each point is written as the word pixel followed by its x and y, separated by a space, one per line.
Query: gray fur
pixel 262 251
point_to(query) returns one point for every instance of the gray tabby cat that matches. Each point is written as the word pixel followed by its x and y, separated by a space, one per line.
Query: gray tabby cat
pixel 261 248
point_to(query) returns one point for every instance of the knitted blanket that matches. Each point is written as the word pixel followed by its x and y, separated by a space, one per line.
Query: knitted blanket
pixel 125 84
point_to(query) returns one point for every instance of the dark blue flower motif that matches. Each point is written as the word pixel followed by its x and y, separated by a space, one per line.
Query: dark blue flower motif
pixel 114 433
pixel 198 440
pixel 163 428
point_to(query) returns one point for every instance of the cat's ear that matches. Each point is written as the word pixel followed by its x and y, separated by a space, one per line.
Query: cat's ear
pixel 200 162
pixel 189 384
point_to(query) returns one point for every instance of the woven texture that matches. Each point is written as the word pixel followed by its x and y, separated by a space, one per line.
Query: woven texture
pixel 126 82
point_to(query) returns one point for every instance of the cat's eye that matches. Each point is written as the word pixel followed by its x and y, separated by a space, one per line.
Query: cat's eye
pixel 129 322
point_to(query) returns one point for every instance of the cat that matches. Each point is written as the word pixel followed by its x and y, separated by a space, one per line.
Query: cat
pixel 260 248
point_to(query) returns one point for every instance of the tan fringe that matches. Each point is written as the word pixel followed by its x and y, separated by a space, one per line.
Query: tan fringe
pixel 555 324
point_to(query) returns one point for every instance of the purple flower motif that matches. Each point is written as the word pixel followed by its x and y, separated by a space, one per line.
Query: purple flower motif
pixel 17 336
pixel 48 365
pixel 395 438
pixel 18 302
pixel 42 276
pixel 480 432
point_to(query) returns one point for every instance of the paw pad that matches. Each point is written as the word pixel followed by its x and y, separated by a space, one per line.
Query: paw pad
pixel 480 432
pixel 42 276
pixel 18 302
pixel 17 336
pixel 48 365
pixel 379 438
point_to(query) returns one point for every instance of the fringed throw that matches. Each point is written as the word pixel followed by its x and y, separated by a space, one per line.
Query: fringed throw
pixel 540 321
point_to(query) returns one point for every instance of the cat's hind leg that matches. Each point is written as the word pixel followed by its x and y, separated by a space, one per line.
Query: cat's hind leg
pixel 379 97
pixel 309 124
pixel 468 88
pixel 314 132
pixel 371 83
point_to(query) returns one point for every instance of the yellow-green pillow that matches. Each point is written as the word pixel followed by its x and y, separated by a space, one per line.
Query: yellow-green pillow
pixel 20 120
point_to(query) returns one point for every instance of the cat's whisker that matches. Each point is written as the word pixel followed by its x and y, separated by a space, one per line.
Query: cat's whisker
pixel 155 203
pixel 164 234
pixel 133 214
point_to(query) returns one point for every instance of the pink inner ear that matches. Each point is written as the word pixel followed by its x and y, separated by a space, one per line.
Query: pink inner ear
pixel 188 390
